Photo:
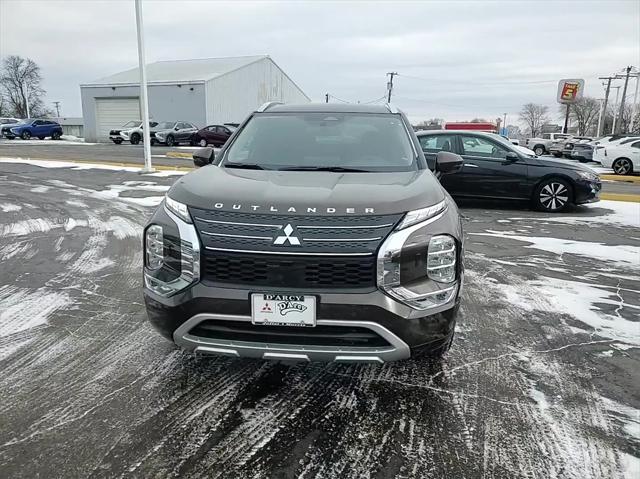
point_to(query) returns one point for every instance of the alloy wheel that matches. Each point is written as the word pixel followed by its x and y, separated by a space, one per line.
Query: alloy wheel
pixel 622 167
pixel 203 142
pixel 539 151
pixel 554 196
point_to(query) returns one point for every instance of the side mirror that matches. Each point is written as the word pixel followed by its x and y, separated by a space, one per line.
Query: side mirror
pixel 447 162
pixel 511 157
pixel 203 156
pixel 176 128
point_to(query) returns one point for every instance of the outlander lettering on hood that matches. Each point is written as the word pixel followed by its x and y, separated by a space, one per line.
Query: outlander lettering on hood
pixel 317 234
pixel 293 209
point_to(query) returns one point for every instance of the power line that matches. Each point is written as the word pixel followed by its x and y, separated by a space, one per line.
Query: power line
pixel 514 82
pixel 329 95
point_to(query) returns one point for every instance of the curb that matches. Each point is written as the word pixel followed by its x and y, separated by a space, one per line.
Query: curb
pixel 178 154
pixel 621 178
pixel 620 197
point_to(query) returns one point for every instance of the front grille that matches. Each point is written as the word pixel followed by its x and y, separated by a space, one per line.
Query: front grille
pixel 320 335
pixel 228 230
pixel 305 272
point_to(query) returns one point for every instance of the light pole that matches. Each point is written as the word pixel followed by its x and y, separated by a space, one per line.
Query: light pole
pixel 146 141
pixel 504 125
pixel 26 98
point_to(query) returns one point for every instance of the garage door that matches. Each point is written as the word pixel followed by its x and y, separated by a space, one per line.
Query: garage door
pixel 112 113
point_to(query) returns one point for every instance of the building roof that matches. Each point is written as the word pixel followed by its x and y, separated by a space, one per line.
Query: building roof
pixel 329 108
pixel 176 71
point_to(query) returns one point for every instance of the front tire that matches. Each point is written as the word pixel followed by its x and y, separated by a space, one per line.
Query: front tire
pixel 171 141
pixel 539 150
pixel 553 195
pixel 202 143
pixel 56 136
pixel 135 139
pixel 557 155
pixel 25 135
pixel 622 166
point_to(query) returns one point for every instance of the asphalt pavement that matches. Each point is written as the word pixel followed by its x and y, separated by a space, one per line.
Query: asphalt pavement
pixel 541 381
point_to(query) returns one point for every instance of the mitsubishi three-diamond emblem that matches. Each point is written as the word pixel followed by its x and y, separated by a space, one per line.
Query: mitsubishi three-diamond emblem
pixel 288 231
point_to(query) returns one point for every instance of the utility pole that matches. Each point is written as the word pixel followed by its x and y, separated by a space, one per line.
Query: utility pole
pixel 615 110
pixel 326 98
pixel 390 85
pixel 504 124
pixel 624 94
pixel 634 112
pixel 566 120
pixel 606 101
pixel 57 104
pixel 601 100
pixel 146 140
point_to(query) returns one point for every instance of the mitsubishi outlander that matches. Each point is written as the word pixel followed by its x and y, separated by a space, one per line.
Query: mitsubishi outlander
pixel 318 233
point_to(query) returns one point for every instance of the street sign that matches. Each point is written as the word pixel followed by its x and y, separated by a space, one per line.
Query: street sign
pixel 570 90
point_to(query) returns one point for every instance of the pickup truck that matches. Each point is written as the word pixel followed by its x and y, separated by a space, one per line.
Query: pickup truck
pixel 540 146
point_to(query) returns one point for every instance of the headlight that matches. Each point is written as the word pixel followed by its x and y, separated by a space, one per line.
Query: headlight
pixel 441 259
pixel 15 131
pixel 417 216
pixel 177 208
pixel 419 270
pixel 160 136
pixel 154 247
pixel 587 175
pixel 172 256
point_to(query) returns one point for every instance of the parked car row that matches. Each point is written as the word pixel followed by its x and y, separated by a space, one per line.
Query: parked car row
pixel 30 128
pixel 172 133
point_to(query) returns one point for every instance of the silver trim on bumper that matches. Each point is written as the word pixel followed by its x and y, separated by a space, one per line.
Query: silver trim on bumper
pixel 397 350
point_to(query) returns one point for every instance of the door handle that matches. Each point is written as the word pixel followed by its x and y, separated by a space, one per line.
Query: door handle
pixel 471 165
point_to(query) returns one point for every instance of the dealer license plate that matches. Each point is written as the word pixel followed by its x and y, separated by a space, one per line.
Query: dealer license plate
pixel 283 310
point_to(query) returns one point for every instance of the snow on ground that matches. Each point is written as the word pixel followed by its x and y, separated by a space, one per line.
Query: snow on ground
pixel 65 140
pixel 619 213
pixel 622 255
pixel 90 166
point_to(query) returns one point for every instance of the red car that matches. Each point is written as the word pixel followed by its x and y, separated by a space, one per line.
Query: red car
pixel 215 135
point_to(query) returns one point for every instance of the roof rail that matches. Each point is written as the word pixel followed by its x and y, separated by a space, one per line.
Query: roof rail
pixel 267 105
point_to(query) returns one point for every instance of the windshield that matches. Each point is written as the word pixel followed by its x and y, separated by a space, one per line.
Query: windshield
pixel 131 124
pixel 165 125
pixel 358 141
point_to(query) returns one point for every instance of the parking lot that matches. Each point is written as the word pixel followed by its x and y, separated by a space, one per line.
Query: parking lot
pixel 541 381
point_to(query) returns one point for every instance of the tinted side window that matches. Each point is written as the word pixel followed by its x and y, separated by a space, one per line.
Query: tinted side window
pixel 476 146
pixel 636 144
pixel 436 143
pixel 37 123
pixel 546 136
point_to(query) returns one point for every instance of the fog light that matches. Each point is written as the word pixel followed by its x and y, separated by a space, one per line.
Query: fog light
pixel 154 247
pixel 441 259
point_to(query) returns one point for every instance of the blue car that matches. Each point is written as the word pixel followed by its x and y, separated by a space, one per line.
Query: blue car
pixel 32 127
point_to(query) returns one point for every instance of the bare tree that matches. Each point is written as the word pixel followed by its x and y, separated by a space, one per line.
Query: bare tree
pixel 20 80
pixel 583 113
pixel 534 116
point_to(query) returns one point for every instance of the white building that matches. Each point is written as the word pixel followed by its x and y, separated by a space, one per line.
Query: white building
pixel 203 92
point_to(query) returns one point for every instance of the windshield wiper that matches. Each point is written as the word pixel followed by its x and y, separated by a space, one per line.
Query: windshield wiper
pixel 245 166
pixel 338 169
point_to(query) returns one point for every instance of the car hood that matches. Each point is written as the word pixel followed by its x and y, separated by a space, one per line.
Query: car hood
pixel 299 193
pixel 564 164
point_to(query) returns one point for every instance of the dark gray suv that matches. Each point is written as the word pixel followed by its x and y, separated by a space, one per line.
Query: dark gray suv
pixel 317 233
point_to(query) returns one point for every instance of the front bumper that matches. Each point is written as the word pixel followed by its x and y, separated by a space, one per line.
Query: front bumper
pixel 586 191
pixel 400 328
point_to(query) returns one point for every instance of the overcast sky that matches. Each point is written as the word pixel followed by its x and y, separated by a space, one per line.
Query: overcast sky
pixel 456 60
